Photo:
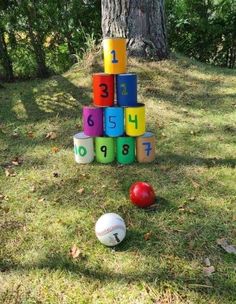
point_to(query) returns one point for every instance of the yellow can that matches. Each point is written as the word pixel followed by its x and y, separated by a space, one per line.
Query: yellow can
pixel 115 57
pixel 135 120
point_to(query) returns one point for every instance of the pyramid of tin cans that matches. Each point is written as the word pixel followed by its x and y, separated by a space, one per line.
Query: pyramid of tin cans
pixel 114 126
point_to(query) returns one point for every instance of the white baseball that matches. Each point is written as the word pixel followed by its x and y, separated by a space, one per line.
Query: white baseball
pixel 110 229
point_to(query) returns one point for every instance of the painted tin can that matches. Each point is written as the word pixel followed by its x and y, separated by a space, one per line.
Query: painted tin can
pixel 125 147
pixel 114 121
pixel 135 120
pixel 115 57
pixel 93 121
pixel 145 148
pixel 126 89
pixel 83 148
pixel 103 90
pixel 105 149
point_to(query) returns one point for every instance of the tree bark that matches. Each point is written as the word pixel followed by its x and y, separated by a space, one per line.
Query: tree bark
pixel 141 22
pixel 5 58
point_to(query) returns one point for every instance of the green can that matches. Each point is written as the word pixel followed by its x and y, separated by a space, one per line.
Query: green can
pixel 105 149
pixel 125 150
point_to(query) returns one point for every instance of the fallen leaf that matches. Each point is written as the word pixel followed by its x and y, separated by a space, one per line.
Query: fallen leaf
pixel 17 161
pixel 15 135
pixel 2 197
pixel 55 149
pixel 41 200
pixel 30 134
pixel 75 252
pixel 10 172
pixel 80 191
pixel 207 262
pixel 51 135
pixel 192 198
pixel 55 174
pixel 33 189
pixel 147 236
pixel 208 271
pixel 224 244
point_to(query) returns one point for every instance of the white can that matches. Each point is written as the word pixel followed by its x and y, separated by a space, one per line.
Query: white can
pixel 83 148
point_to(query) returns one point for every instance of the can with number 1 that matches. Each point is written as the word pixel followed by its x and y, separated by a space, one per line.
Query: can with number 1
pixel 115 57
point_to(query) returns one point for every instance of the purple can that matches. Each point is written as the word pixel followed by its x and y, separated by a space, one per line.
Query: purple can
pixel 93 121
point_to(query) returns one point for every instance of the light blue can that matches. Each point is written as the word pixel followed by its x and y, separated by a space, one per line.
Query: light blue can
pixel 114 121
pixel 126 90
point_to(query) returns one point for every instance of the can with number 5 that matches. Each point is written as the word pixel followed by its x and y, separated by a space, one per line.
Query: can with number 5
pixel 93 121
pixel 115 57
pixel 114 121
pixel 135 120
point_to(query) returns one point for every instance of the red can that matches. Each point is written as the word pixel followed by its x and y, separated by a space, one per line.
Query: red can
pixel 103 90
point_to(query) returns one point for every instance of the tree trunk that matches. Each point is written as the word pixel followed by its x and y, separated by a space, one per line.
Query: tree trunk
pixel 5 58
pixel 141 22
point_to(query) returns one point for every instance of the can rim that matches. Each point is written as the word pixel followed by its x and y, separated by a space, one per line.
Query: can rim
pixel 114 38
pixel 102 74
pixel 81 135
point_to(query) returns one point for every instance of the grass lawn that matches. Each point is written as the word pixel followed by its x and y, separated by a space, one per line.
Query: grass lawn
pixel 48 203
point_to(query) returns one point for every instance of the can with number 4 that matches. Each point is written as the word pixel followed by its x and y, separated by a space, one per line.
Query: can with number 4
pixel 115 57
pixel 135 120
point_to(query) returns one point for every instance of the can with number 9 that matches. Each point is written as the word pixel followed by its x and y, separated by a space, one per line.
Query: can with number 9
pixel 105 149
pixel 135 120
pixel 114 121
pixel 93 121
pixel 115 57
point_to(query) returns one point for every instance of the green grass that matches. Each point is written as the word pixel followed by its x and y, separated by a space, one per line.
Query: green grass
pixel 191 109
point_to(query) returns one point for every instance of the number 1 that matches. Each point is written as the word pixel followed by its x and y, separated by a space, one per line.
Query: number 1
pixel 114 60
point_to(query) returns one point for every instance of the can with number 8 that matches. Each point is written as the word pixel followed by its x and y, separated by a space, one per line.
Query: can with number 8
pixel 125 147
pixel 115 57
pixel 114 121
pixel 93 121
pixel 105 149
pixel 135 120
pixel 103 90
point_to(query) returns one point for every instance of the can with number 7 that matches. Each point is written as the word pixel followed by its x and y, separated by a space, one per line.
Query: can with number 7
pixel 145 148
pixel 135 120
pixel 115 57
pixel 93 121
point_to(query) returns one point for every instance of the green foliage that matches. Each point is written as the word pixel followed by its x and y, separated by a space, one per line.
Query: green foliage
pixel 41 36
pixel 203 29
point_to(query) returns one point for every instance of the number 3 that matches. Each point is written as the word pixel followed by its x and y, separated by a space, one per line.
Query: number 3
pixel 104 90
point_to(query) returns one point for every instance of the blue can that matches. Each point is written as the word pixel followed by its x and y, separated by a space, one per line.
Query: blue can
pixel 126 89
pixel 114 121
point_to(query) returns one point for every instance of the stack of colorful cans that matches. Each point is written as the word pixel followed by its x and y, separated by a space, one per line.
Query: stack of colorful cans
pixel 114 126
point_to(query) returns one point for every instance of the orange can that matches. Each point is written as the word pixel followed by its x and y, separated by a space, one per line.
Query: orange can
pixel 115 57
pixel 103 90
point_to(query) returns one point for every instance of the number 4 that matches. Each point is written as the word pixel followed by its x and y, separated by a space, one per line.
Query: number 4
pixel 135 120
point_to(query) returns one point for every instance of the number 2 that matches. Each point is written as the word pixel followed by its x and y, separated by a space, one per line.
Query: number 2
pixel 124 89
pixel 114 60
